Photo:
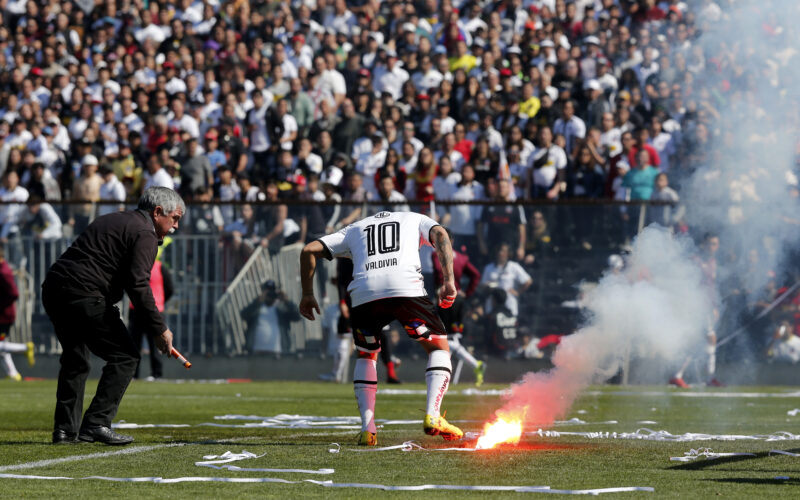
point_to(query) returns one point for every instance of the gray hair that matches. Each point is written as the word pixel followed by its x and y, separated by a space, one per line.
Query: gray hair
pixel 163 197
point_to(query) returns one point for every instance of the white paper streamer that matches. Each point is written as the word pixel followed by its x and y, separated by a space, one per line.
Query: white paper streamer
pixel 781 452
pixel 331 484
pixel 695 394
pixel 651 435
pixel 406 446
pixel 217 461
pixel 284 421
pixel 708 453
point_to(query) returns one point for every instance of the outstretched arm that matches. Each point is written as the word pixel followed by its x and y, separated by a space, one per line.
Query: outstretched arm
pixel 308 264
pixel 444 252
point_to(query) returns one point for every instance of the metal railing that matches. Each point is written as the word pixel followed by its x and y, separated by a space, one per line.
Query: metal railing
pixel 198 265
pixel 246 287
pixel 214 282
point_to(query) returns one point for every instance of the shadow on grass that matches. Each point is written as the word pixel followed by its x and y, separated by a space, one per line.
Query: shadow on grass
pixel 704 463
pixel 754 480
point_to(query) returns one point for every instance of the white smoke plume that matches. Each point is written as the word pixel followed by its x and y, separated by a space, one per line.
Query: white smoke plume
pixel 658 307
pixel 742 105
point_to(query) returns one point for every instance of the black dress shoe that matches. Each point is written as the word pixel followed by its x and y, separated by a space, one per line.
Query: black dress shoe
pixel 63 437
pixel 103 435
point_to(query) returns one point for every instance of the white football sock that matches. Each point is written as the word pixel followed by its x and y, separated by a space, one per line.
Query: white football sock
pixel 437 377
pixel 365 385
pixel 711 351
pixel 6 346
pixel 679 374
pixel 8 364
pixel 459 350
pixel 342 358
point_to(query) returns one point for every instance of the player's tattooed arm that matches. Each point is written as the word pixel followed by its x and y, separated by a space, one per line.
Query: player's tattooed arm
pixel 308 264
pixel 444 252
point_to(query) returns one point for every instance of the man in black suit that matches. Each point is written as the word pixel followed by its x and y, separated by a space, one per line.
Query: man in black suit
pixel 113 255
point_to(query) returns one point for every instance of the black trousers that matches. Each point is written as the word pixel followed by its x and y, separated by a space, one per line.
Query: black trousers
pixel 137 334
pixel 83 325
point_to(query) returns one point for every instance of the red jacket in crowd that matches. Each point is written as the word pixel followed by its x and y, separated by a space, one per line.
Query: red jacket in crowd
pixel 461 266
pixel 8 294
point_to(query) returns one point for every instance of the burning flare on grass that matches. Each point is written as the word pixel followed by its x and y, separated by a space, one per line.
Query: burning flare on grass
pixel 500 431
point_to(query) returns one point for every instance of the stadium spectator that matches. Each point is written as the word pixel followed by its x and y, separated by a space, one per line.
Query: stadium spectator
pixel 503 223
pixel 507 275
pixel 268 318
pixel 640 180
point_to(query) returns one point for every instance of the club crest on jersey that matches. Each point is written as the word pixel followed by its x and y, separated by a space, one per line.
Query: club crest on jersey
pixel 381 215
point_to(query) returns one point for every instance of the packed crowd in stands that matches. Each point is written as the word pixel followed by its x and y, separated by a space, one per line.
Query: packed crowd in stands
pixel 328 99
pixel 402 102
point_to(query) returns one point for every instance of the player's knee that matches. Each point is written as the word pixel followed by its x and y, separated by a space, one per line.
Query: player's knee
pixel 368 355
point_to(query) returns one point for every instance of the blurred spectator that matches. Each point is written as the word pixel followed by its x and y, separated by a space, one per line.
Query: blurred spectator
pixel 667 215
pixel 42 184
pixel 86 188
pixel 506 275
pixel 40 220
pixel 196 172
pixel 548 166
pixel 111 190
pixel 387 193
pixel 640 181
pixel 503 223
pixel 274 216
pixel 243 234
pixel 463 218
pixel 500 325
pixel 268 319
pixel 784 345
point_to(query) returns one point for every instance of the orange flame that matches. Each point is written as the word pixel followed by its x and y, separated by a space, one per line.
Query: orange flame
pixel 500 431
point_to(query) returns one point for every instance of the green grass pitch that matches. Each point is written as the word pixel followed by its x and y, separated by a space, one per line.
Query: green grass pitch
pixel 561 462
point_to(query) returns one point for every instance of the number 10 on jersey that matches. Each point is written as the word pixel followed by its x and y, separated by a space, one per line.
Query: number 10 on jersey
pixel 388 236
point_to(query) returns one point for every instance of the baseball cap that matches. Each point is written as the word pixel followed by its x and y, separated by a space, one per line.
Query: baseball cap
pixel 168 64
pixel 269 285
pixel 591 40
pixel 593 85
pixel 36 71
pixel 363 72
pixel 89 160
pixel 211 135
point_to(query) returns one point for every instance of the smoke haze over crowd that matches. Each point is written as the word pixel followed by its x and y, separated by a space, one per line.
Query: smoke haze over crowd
pixel 741 119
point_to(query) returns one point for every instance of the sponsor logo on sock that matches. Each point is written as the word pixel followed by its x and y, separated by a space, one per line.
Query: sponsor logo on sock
pixel 441 392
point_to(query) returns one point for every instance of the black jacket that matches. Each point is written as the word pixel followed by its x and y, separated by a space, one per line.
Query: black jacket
pixel 113 255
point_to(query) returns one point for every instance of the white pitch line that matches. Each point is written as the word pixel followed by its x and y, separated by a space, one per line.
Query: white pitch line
pixel 141 449
pixel 76 458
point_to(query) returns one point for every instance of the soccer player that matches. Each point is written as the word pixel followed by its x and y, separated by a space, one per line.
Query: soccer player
pixel 453 317
pixel 387 285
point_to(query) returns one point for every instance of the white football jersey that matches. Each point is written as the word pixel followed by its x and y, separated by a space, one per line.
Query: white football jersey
pixel 385 253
